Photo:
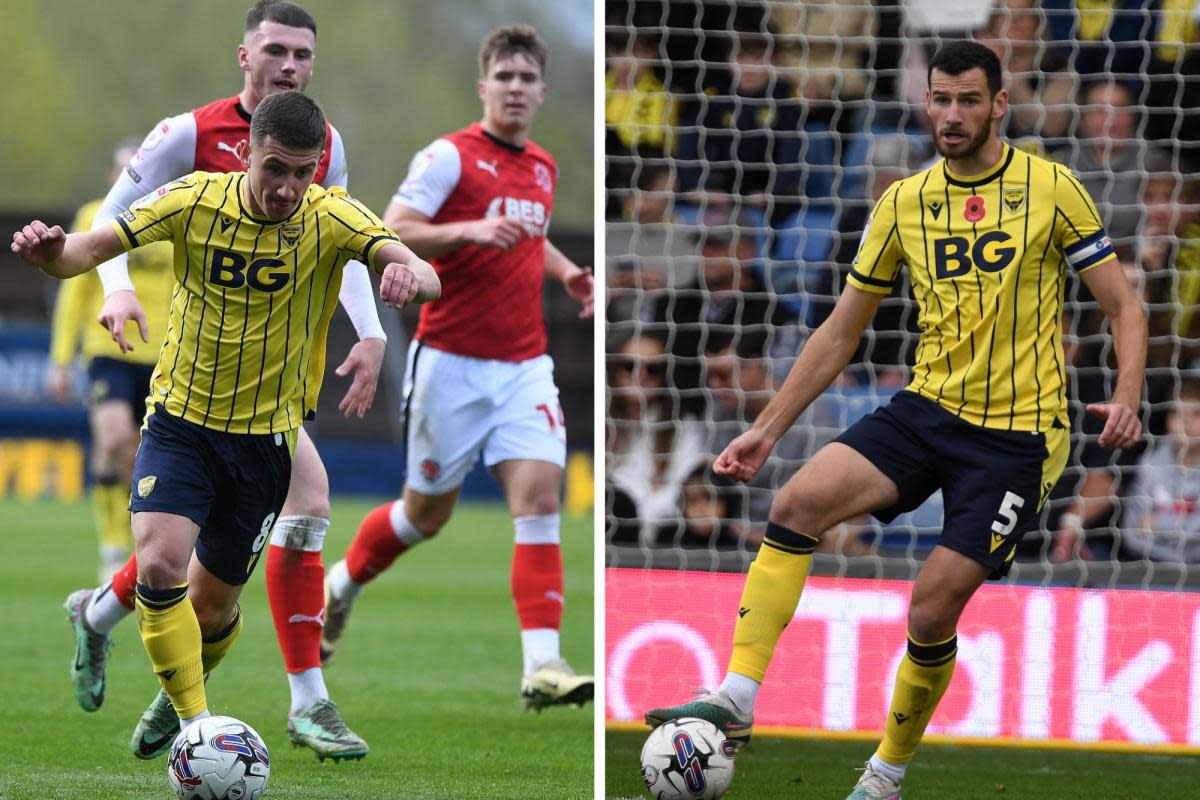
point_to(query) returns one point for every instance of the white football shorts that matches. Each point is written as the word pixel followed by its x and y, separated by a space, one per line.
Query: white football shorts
pixel 457 408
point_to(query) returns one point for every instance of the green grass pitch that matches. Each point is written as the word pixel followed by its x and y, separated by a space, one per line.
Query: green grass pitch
pixel 808 769
pixel 429 673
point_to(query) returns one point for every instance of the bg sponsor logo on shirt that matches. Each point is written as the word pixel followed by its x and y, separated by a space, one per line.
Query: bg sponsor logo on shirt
pixel 530 213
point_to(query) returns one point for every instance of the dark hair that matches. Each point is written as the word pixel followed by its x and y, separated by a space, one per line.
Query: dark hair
pixel 512 40
pixel 958 57
pixel 281 12
pixel 293 119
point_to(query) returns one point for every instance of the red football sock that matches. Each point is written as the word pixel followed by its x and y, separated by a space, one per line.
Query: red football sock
pixel 296 589
pixel 124 582
pixel 537 585
pixel 375 546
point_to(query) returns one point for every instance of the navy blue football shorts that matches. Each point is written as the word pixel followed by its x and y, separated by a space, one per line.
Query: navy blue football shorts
pixel 993 481
pixel 230 484
pixel 113 379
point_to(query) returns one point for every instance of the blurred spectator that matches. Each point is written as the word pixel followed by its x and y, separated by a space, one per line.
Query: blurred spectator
pixel 652 448
pixel 890 340
pixel 708 511
pixel 743 139
pixel 729 299
pixel 646 251
pixel 1110 159
pixel 740 381
pixel 836 38
pixel 1160 517
pixel 1041 87
pixel 639 113
pixel 1168 252
pixel 1174 96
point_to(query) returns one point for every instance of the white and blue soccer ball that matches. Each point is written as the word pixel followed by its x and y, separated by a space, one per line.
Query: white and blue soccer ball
pixel 687 759
pixel 219 758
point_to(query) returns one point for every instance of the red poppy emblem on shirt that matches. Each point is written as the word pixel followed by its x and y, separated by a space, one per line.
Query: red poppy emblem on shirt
pixel 974 209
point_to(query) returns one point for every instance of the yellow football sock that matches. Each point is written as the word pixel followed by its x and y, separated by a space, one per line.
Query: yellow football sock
pixel 110 500
pixel 171 636
pixel 212 650
pixel 769 598
pixel 921 680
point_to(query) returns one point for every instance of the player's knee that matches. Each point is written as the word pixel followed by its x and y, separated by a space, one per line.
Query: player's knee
pixel 158 569
pixel 540 504
pixel 797 508
pixel 429 522
pixel 306 503
pixel 930 622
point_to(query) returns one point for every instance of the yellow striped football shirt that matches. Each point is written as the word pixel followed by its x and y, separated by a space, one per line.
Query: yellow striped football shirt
pixel 987 256
pixel 245 343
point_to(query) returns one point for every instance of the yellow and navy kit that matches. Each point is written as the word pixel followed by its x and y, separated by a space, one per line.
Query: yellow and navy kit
pixel 74 327
pixel 245 343
pixel 987 257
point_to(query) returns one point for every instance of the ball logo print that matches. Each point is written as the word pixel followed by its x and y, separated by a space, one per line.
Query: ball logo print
pixel 687 759
pixel 219 758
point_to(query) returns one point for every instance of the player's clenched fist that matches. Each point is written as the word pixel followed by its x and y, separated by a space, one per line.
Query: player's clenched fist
pixel 745 455
pixel 39 245
pixel 399 285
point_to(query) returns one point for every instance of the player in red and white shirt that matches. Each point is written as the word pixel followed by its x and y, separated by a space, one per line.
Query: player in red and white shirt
pixel 477 204
pixel 276 54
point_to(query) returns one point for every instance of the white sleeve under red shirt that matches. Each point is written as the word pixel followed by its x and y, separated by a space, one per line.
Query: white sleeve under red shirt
pixel 491 304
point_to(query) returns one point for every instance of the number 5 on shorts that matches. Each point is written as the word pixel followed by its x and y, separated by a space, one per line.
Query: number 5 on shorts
pixel 1007 518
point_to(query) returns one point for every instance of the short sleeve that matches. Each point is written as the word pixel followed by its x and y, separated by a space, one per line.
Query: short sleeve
pixel 357 230
pixel 432 176
pixel 157 216
pixel 1079 230
pixel 879 257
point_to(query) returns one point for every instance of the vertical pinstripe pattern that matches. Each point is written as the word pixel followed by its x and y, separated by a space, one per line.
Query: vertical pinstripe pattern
pixel 244 350
pixel 991 341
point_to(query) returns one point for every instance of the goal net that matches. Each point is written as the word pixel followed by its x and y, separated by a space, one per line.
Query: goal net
pixel 745 146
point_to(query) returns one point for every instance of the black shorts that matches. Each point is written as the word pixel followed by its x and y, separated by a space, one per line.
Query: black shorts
pixel 230 484
pixel 993 481
pixel 113 379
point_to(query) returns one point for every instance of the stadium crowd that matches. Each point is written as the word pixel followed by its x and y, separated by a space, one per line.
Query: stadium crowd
pixel 745 147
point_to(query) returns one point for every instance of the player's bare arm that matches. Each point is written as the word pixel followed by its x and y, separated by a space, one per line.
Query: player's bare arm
pixel 406 278
pixel 578 281
pixel 64 255
pixel 430 240
pixel 1107 282
pixel 823 358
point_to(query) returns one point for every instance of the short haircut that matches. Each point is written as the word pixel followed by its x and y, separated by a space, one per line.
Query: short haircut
pixel 958 57
pixel 279 11
pixel 293 119
pixel 512 40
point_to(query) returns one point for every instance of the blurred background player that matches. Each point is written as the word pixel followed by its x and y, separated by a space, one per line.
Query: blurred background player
pixel 477 203
pixel 118 381
pixel 277 54
pixel 214 465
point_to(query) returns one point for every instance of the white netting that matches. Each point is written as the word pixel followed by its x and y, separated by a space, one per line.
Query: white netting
pixel 758 134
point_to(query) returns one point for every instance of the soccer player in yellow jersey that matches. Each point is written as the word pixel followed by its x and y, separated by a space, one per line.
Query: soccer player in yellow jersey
pixel 988 234
pixel 257 266
pixel 118 381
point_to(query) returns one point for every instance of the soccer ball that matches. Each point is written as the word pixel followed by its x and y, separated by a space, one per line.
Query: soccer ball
pixel 687 759
pixel 219 758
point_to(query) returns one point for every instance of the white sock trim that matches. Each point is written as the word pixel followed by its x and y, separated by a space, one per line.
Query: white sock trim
pixel 186 721
pixel 341 585
pixel 538 645
pixel 300 533
pixel 401 526
pixel 104 610
pixel 742 690
pixel 307 687
pixel 893 771
pixel 536 529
